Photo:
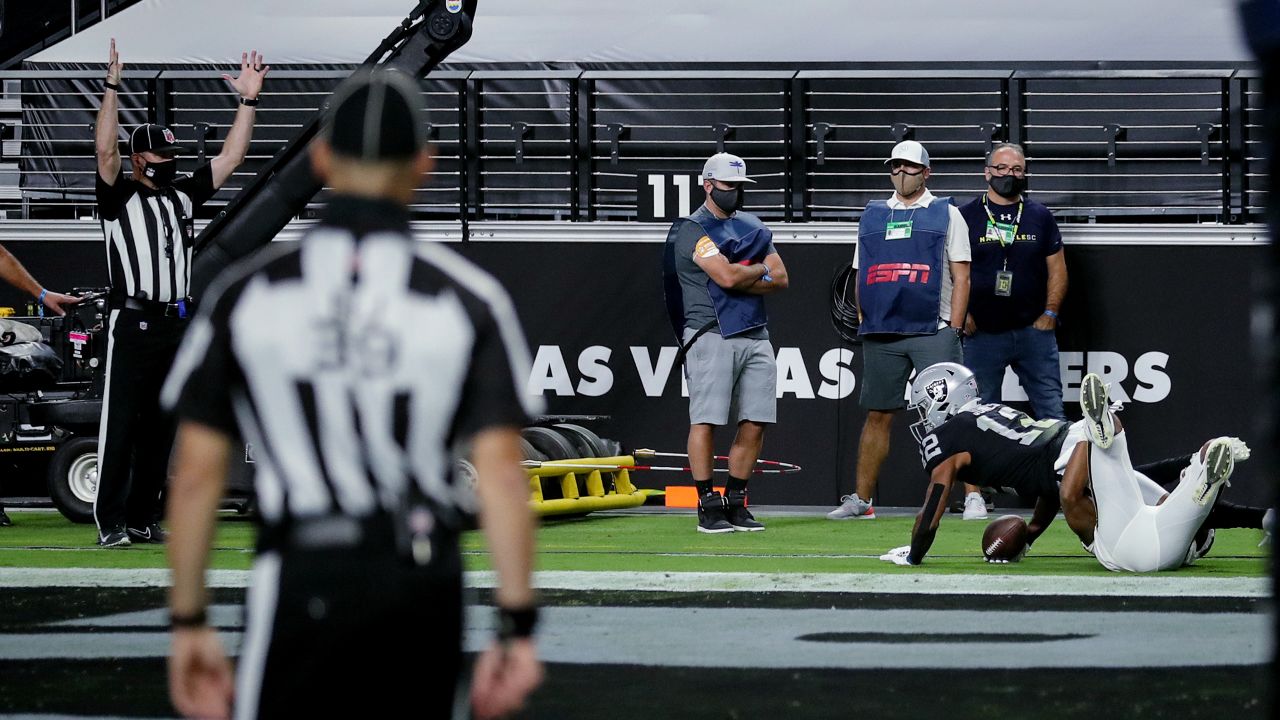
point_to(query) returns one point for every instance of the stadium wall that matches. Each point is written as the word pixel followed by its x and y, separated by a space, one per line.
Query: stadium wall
pixel 1163 312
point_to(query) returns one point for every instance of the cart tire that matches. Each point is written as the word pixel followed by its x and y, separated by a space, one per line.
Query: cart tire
pixel 549 443
pixel 73 478
pixel 530 452
pixel 586 443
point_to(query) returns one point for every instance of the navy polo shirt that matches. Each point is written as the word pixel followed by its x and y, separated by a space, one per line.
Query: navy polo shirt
pixel 1038 238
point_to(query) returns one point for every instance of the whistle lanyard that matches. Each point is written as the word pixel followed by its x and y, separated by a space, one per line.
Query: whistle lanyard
pixel 1017 220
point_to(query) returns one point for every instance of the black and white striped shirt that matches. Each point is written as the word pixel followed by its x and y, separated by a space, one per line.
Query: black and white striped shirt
pixel 149 234
pixel 352 360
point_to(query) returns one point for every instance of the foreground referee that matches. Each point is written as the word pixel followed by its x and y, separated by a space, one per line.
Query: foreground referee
pixel 353 360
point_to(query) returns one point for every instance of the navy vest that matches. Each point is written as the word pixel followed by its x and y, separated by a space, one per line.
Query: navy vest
pixel 741 238
pixel 900 281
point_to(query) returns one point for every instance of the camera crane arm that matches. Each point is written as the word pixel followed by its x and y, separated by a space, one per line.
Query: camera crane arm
pixel 282 188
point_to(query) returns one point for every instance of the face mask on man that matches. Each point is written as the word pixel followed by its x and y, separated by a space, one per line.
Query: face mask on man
pixel 1008 186
pixel 907 183
pixel 729 201
pixel 161 173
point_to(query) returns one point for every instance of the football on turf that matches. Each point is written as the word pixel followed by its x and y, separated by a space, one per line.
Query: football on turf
pixel 1004 538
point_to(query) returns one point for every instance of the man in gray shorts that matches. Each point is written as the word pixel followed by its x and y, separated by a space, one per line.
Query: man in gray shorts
pixel 718 264
pixel 912 261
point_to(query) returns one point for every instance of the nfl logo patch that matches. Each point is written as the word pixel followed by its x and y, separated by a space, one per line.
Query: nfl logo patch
pixel 936 390
pixel 168 135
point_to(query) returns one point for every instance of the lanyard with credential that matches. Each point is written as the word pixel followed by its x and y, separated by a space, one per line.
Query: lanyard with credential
pixel 1017 220
pixel 896 230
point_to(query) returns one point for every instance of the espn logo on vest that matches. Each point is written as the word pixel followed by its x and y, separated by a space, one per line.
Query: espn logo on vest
pixel 895 272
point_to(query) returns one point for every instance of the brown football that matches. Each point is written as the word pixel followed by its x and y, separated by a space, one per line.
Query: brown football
pixel 1004 538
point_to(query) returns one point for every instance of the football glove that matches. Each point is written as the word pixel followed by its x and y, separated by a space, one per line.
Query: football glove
pixel 1016 558
pixel 898 556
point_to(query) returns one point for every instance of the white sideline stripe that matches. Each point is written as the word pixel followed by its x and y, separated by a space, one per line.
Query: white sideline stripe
pixel 904 584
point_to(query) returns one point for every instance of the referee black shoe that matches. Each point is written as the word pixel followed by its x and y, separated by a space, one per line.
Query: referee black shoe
pixel 4 519
pixel 115 537
pixel 152 533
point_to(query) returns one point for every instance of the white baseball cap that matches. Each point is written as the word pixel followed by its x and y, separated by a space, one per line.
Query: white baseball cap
pixel 725 168
pixel 911 151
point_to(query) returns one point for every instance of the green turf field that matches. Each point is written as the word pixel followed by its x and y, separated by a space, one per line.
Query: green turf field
pixel 663 542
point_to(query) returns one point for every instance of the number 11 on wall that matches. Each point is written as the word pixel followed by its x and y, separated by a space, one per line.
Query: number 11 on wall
pixel 666 196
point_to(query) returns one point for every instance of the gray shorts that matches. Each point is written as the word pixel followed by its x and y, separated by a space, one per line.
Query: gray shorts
pixel 737 371
pixel 886 365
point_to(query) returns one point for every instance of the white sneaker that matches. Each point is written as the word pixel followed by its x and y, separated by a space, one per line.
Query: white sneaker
pixel 1268 526
pixel 853 507
pixel 1216 464
pixel 1098 423
pixel 975 508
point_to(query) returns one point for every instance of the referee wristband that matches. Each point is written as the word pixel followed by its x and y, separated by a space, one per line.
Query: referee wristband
pixel 194 620
pixel 516 624
pixel 111 86
pixel 248 102
pixel 1051 314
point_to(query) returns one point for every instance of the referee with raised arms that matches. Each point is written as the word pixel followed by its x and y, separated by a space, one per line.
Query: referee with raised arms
pixel 353 360
pixel 146 218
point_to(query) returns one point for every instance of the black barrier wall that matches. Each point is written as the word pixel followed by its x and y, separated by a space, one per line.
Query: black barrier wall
pixel 1167 324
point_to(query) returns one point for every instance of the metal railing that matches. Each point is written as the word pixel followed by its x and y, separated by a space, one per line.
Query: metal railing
pixel 1120 145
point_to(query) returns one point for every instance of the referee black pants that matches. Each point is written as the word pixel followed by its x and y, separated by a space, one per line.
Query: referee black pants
pixel 350 633
pixel 134 436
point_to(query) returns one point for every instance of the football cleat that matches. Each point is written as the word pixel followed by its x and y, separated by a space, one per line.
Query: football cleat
pixel 1098 423
pixel 1200 545
pixel 1215 466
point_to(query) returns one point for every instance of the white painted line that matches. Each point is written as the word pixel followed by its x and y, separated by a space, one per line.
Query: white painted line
pixel 913 584
pixel 1118 585
pixel 87 578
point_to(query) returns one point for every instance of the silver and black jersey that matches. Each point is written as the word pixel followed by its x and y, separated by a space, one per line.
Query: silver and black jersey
pixel 1008 449
pixel 352 361
pixel 149 235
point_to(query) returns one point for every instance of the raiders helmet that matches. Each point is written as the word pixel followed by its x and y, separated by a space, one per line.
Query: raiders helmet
pixel 939 391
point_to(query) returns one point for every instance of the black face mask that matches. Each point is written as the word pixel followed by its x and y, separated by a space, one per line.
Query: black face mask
pixel 161 173
pixel 729 201
pixel 1008 186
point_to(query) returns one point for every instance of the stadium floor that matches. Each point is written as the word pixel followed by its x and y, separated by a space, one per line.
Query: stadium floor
pixel 862 640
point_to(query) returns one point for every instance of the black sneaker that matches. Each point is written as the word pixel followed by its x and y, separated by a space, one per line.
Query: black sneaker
pixel 115 537
pixel 711 514
pixel 4 519
pixel 152 533
pixel 738 516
